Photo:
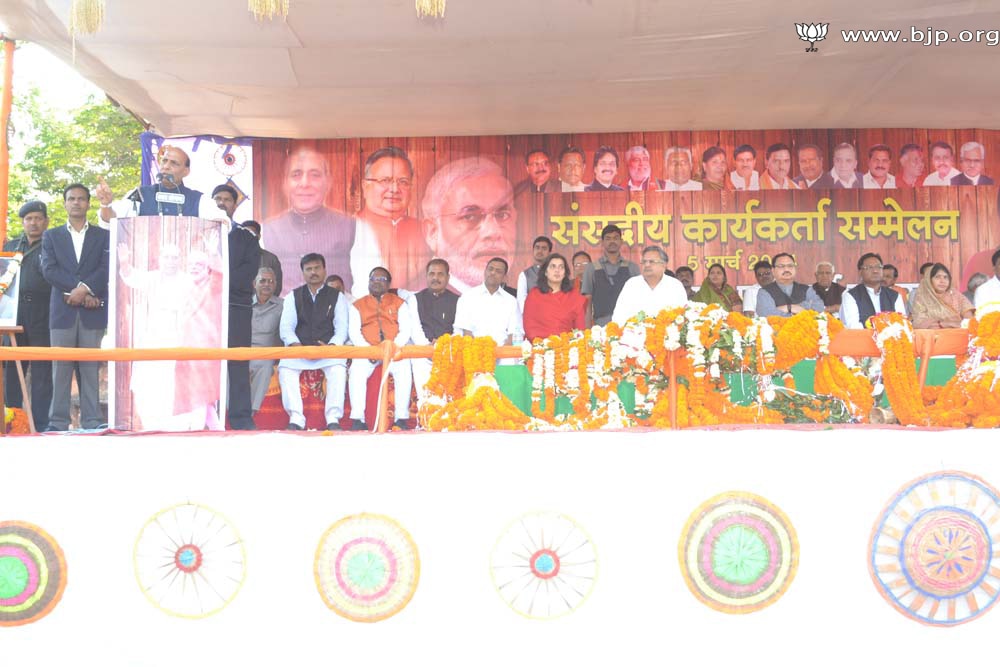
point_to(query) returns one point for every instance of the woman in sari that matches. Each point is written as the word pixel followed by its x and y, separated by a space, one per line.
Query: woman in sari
pixel 716 289
pixel 936 304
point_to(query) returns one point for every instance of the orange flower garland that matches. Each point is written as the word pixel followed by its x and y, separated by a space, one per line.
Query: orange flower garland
pixel 894 337
pixel 834 378
pixel 16 420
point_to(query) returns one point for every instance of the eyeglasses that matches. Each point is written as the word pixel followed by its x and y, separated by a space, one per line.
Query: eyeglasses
pixel 872 267
pixel 652 261
pixel 785 266
pixel 379 279
pixel 475 215
pixel 402 183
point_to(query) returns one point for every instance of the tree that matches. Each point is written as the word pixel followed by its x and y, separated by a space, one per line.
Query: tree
pixel 99 139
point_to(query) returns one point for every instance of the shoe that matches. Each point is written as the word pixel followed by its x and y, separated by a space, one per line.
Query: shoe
pixel 333 426
pixel 294 427
pixel 247 425
pixel 358 425
pixel 402 424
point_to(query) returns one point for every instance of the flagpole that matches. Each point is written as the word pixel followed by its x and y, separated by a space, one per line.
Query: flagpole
pixel 5 104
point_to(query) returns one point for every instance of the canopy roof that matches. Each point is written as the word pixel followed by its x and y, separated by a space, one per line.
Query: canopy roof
pixel 356 68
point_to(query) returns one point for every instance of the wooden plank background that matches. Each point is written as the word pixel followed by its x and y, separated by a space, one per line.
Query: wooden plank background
pixel 978 226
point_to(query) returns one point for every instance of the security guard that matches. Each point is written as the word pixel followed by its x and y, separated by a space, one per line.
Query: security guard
pixel 32 315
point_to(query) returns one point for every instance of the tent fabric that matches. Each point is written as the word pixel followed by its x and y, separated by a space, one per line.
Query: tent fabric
pixel 373 69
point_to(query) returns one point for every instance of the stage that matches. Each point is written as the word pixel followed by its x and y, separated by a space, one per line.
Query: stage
pixel 455 494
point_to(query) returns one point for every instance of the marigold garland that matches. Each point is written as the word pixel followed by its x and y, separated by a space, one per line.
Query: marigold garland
pixel 894 337
pixel 703 343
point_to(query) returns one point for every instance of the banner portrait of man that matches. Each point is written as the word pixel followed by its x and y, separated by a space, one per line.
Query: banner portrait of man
pixel 169 288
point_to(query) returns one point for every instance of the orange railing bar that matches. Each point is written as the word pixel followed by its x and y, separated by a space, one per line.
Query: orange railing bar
pixel 850 342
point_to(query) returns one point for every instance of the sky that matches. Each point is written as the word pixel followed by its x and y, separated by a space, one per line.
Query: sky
pixel 61 86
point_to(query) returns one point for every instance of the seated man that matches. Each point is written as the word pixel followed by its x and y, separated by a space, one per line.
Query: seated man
pixel 827 289
pixel 869 296
pixel 763 273
pixel 378 316
pixel 785 297
pixel 651 291
pixel 266 319
pixel 488 310
pixel 435 316
pixel 313 314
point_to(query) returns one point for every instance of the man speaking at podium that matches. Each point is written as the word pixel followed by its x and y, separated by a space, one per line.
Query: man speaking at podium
pixel 169 196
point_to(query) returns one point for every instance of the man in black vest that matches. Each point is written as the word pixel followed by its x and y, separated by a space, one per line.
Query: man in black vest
pixel 174 166
pixel 313 314
pixel 869 296
pixel 603 280
pixel 784 297
pixel 32 314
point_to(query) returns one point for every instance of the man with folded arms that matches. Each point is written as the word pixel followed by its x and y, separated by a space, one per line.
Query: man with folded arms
pixel 785 297
pixel 313 314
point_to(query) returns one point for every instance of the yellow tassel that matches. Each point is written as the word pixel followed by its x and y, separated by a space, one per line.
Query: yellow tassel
pixel 431 8
pixel 86 17
pixel 268 9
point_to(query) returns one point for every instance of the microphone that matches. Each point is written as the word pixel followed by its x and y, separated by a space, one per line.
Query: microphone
pixel 162 198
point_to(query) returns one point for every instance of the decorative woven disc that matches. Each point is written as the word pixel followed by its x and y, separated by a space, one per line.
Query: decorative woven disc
pixel 544 565
pixel 32 573
pixel 367 567
pixel 230 160
pixel 738 552
pixel 931 553
pixel 189 561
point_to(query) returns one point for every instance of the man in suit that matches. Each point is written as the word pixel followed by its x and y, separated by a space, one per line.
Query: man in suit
pixel 32 314
pixel 267 259
pixel 244 261
pixel 75 262
pixel 972 155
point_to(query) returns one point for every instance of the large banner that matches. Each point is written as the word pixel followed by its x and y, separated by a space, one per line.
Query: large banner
pixel 732 197
pixel 169 288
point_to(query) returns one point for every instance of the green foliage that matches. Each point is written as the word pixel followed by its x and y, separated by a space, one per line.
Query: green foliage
pixel 98 139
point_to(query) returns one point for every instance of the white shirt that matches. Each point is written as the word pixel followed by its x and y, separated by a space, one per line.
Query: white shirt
pixel 847 184
pixel 870 183
pixel 988 292
pixel 637 296
pixel 740 184
pixel 566 187
pixel 934 179
pixel 670 186
pixel 849 307
pixel 290 320
pixel 750 298
pixel 522 290
pixel 484 314
pixel 975 181
pixel 77 238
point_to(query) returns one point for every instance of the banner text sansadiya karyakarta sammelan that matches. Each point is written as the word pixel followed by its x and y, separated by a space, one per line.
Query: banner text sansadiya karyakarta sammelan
pixel 469 199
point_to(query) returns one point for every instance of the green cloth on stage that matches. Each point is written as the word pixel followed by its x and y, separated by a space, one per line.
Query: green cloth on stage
pixel 515 384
